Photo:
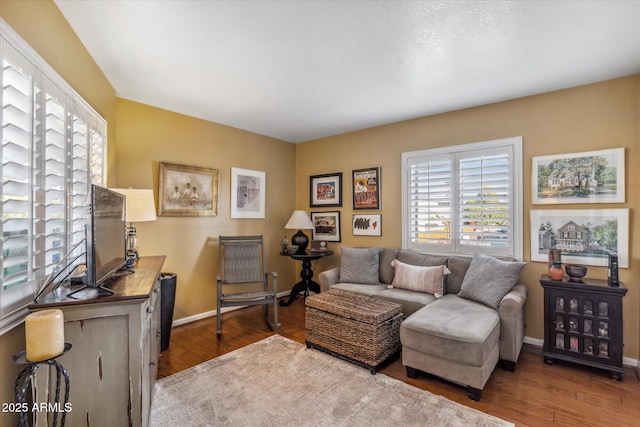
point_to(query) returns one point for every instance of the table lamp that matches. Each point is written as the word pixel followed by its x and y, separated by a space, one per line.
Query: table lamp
pixel 299 221
pixel 140 207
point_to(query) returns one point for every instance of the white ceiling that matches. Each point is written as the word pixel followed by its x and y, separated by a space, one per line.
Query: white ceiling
pixel 301 70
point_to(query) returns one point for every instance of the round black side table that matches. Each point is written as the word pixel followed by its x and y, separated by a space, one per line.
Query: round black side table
pixel 25 377
pixel 306 275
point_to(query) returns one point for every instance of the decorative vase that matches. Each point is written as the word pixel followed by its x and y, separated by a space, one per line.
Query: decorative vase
pixel 556 272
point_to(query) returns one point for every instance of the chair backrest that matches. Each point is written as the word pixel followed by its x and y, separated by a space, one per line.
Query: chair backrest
pixel 241 259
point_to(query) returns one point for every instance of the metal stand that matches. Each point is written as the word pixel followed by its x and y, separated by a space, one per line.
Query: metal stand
pixel 25 378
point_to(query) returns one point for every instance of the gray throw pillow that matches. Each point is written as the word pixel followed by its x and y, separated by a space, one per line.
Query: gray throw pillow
pixel 359 265
pixel 488 279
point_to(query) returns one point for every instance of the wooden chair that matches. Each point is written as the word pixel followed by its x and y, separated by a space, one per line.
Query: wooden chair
pixel 240 269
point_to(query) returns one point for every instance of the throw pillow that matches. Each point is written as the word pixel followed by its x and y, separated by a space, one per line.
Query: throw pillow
pixel 488 279
pixel 418 278
pixel 359 265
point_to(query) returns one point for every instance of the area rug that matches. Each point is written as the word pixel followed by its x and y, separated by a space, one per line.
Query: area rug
pixel 279 382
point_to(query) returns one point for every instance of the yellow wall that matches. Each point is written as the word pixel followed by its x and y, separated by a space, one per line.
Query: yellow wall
pixel 42 25
pixel 593 117
pixel 147 136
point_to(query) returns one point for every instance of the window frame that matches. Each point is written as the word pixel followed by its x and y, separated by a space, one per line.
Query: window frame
pixel 513 145
pixel 76 160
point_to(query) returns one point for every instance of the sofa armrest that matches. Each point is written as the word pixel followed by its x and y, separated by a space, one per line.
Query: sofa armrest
pixel 328 278
pixel 512 325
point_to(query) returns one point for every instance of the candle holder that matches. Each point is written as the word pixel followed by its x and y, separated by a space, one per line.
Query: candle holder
pixel 25 378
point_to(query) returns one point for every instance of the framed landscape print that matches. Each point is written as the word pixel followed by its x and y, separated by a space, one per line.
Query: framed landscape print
pixel 325 190
pixel 366 188
pixel 584 236
pixel 367 225
pixel 326 226
pixel 248 193
pixel 187 190
pixel 589 177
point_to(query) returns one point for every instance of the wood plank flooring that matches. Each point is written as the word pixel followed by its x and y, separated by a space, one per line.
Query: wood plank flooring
pixel 536 394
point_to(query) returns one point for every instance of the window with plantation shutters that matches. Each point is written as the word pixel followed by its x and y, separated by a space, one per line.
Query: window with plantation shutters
pixel 464 199
pixel 53 148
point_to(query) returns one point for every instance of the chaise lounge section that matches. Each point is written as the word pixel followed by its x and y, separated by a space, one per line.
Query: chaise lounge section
pixel 461 315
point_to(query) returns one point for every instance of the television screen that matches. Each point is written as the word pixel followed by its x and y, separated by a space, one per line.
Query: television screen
pixel 106 235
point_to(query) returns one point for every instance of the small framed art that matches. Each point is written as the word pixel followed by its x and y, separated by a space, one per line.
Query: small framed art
pixel 187 190
pixel 366 188
pixel 367 225
pixel 325 190
pixel 326 226
pixel 248 193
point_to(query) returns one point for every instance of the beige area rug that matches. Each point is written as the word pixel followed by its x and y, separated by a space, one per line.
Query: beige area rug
pixel 279 382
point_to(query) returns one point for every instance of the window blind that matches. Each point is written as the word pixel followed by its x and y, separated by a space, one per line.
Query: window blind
pixel 53 148
pixel 464 199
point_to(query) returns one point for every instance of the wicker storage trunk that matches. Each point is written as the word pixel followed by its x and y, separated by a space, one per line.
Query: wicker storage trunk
pixel 355 327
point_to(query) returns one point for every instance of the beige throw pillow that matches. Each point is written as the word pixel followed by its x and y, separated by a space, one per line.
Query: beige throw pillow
pixel 420 279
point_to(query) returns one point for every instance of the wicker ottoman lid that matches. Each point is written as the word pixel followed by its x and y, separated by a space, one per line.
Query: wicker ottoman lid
pixel 351 305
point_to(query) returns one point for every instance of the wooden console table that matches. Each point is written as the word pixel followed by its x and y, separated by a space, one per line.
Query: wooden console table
pixel 116 347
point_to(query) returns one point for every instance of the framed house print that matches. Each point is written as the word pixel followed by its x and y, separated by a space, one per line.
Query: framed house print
pixel 187 190
pixel 584 236
pixel 248 193
pixel 367 225
pixel 589 177
pixel 325 190
pixel 326 226
pixel 366 188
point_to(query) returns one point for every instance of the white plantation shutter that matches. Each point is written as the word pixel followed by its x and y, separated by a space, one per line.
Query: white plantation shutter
pixel 53 145
pixel 430 195
pixel 464 199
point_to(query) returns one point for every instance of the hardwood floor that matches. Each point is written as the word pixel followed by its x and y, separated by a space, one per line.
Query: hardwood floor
pixel 536 394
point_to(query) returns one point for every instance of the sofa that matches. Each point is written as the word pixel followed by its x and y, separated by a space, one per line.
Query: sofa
pixel 462 315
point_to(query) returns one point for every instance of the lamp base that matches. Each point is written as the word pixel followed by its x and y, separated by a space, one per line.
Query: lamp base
pixel 301 240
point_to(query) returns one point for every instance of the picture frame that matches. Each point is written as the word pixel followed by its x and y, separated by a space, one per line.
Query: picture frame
pixel 326 226
pixel 585 236
pixel 365 186
pixel 587 177
pixel 325 190
pixel 366 224
pixel 248 193
pixel 187 190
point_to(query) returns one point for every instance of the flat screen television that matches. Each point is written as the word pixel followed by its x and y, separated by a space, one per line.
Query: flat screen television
pixel 106 228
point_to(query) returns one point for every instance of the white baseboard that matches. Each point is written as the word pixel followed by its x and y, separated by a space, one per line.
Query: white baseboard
pixel 212 313
pixel 627 361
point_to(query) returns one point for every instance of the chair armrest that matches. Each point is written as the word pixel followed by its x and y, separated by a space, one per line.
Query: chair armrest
pixel 512 325
pixel 328 278
pixel 274 279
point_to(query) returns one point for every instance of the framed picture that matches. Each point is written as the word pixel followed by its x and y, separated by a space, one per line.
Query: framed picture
pixel 366 188
pixel 589 177
pixel 187 190
pixel 326 226
pixel 325 190
pixel 366 225
pixel 248 193
pixel 585 236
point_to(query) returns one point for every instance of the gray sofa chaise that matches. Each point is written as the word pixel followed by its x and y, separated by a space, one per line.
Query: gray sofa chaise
pixel 469 316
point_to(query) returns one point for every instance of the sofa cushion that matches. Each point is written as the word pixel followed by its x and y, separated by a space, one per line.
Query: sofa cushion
pixel 410 301
pixel 386 269
pixel 453 328
pixel 359 265
pixel 488 279
pixel 359 288
pixel 419 278
pixel 458 267
pixel 416 258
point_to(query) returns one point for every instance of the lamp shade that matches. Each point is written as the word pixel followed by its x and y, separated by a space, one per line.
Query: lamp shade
pixel 140 204
pixel 299 221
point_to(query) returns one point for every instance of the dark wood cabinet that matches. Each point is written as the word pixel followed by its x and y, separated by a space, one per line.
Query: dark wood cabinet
pixel 583 323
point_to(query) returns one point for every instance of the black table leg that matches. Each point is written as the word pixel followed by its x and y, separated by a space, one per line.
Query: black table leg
pixel 303 285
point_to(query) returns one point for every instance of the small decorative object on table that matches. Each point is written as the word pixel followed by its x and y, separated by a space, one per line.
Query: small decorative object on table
pixel 555 272
pixel 575 272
